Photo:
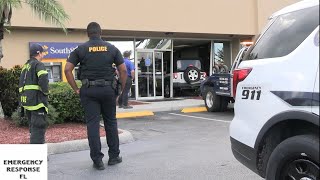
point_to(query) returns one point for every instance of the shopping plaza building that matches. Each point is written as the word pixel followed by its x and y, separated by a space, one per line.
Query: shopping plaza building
pixel 159 33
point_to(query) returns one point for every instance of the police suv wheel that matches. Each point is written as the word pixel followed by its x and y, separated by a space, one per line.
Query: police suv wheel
pixel 296 158
pixel 192 74
pixel 212 101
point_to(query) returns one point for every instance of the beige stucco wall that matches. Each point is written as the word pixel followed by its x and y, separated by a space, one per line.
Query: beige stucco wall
pixel 235 43
pixel 204 16
pixel 208 17
pixel 16 44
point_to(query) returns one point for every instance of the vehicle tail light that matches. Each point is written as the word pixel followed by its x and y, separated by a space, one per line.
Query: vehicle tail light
pixel 175 76
pixel 238 76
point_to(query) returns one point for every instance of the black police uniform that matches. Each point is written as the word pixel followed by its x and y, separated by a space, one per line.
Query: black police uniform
pixel 33 88
pixel 97 94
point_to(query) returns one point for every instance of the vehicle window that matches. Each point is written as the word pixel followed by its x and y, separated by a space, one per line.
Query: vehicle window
pixel 286 33
pixel 184 64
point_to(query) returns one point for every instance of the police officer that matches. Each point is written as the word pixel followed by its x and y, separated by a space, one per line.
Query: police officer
pixel 98 93
pixel 33 88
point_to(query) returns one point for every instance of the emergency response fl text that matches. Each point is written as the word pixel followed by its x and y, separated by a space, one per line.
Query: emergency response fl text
pixel 23 166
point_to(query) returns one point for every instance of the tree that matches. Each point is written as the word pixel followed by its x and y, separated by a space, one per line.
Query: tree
pixel 219 55
pixel 48 10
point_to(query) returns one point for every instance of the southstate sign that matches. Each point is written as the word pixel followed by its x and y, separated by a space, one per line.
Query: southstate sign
pixel 57 50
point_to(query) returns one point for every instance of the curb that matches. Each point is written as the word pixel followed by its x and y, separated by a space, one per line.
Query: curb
pixel 82 145
pixel 150 112
pixel 134 114
pixel 161 109
pixel 194 109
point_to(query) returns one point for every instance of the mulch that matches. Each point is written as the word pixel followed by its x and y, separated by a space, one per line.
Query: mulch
pixel 12 134
pixel 134 103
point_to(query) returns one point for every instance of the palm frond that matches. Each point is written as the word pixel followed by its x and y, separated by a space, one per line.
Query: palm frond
pixel 13 3
pixel 5 8
pixel 49 10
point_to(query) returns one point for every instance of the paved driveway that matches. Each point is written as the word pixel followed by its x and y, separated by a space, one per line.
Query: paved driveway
pixel 167 146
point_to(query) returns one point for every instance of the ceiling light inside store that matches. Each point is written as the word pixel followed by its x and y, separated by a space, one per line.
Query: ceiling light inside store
pixel 246 43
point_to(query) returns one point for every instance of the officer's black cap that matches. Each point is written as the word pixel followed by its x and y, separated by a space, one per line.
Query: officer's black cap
pixel 35 49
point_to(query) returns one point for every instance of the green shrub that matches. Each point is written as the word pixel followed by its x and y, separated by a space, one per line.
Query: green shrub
pixel 66 102
pixel 52 118
pixel 61 97
pixel 9 93
pixel 59 86
pixel 19 121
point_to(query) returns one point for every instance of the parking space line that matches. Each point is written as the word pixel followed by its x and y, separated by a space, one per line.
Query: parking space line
pixel 218 120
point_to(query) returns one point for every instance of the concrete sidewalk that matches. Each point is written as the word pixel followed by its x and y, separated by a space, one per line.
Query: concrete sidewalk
pixel 147 108
pixel 165 105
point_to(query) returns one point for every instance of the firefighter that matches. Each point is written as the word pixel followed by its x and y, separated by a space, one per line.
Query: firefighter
pixel 33 89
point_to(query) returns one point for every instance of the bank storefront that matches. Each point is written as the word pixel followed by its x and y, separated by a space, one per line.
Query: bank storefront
pixel 56 58
pixel 173 49
pixel 161 64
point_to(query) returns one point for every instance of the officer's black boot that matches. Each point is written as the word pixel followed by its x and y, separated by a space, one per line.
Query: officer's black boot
pixel 98 165
pixel 114 161
pixel 127 107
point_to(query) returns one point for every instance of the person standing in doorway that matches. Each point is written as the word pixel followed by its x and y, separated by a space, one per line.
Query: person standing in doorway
pixel 123 98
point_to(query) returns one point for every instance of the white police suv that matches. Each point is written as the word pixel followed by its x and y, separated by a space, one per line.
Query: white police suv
pixel 275 131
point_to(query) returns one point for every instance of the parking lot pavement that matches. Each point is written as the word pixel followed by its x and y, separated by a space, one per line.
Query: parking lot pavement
pixel 169 145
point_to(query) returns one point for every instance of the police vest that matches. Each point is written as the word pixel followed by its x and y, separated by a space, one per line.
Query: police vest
pixel 33 95
pixel 97 61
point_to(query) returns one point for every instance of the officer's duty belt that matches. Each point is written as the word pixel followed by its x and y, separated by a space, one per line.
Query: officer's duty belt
pixel 100 82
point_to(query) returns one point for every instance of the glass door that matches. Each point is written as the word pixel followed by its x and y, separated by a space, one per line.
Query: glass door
pixel 159 83
pixel 145 74
pixel 149 68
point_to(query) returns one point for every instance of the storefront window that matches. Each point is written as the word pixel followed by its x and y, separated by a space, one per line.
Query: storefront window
pixel 159 44
pixel 54 71
pixel 50 75
pixel 124 46
pixel 221 57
